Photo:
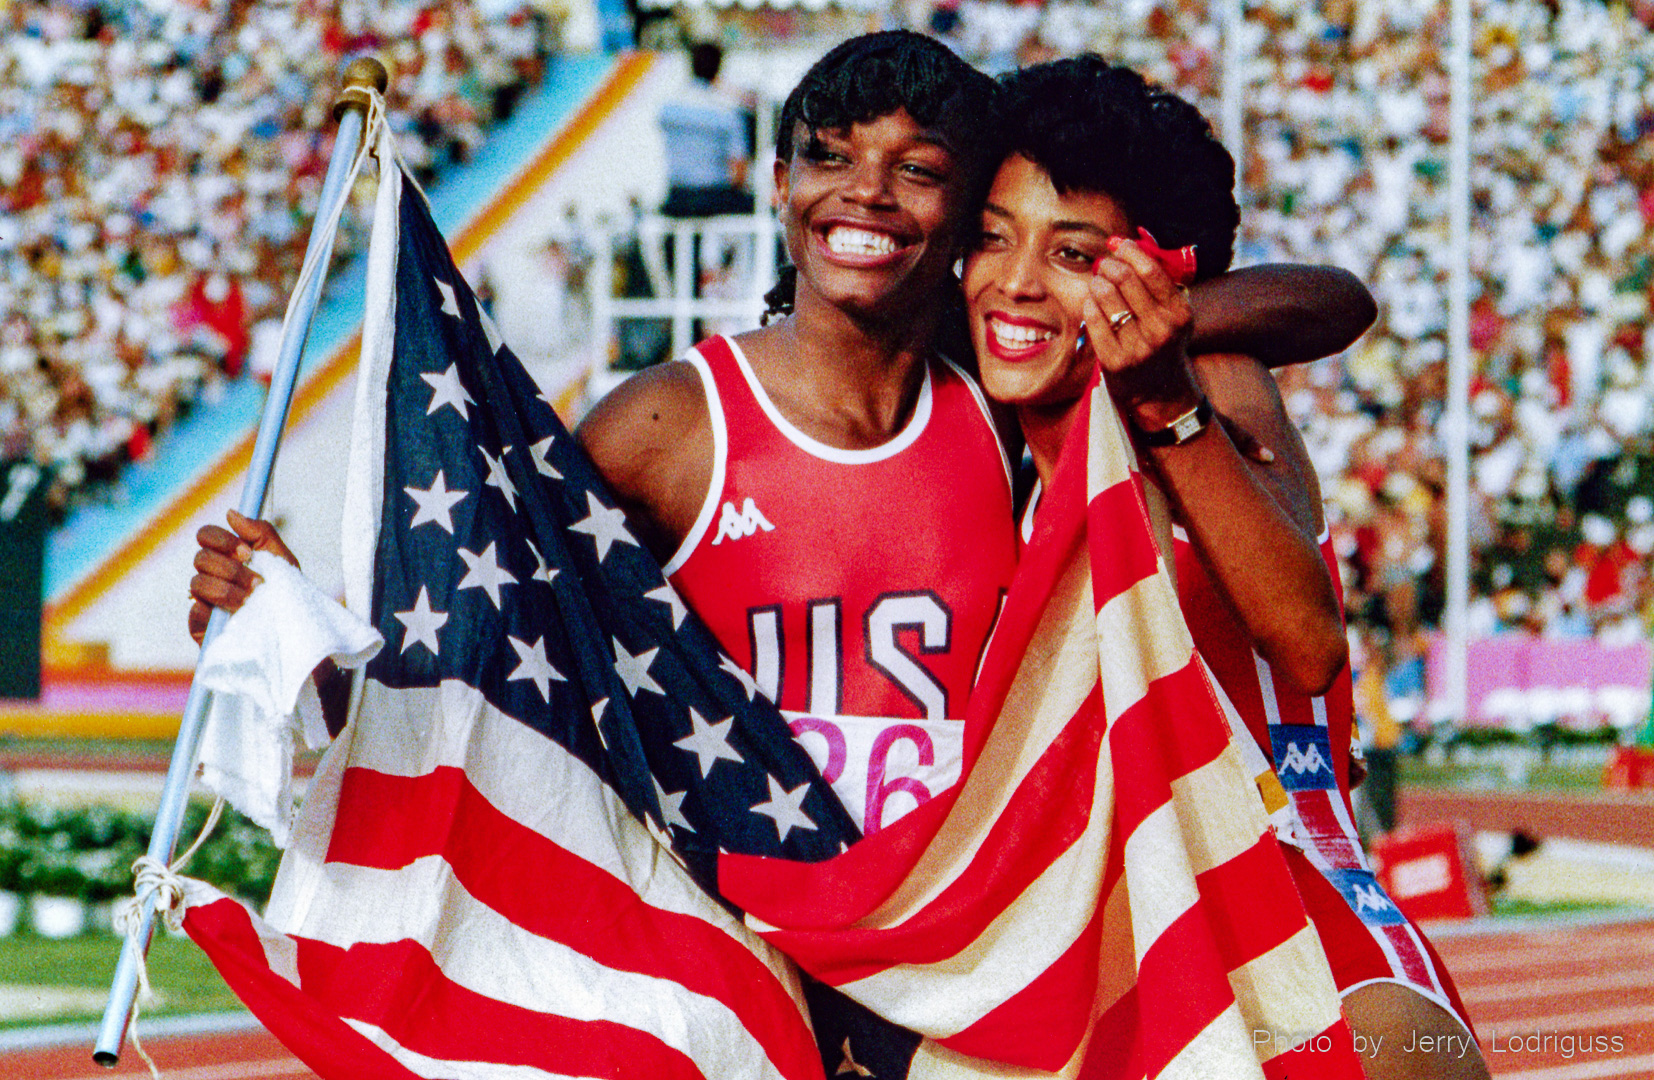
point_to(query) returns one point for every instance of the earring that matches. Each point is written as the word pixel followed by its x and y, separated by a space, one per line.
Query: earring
pixel 959 267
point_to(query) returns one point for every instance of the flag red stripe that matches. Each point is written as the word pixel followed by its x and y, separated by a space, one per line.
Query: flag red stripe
pixel 398 987
pixel 1116 1050
pixel 308 1027
pixel 507 866
pixel 1328 1056
pixel 1048 813
pixel 1183 974
pixel 1241 897
pixel 1123 550
pixel 1041 1019
pixel 1148 752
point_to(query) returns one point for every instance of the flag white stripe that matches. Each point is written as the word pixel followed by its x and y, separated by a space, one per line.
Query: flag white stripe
pixel 488 954
pixel 587 819
pixel 945 997
pixel 447 1069
pixel 1056 675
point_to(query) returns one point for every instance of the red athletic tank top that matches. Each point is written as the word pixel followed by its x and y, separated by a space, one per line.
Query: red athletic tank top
pixel 1306 727
pixel 858 582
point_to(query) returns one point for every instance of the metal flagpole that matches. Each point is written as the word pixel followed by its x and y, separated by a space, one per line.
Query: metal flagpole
pixel 1456 421
pixel 362 78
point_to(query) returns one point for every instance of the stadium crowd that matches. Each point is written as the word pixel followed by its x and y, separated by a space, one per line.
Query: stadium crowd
pixel 159 163
pixel 159 166
pixel 1346 162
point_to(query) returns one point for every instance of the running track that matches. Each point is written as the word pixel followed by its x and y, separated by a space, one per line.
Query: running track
pixel 1527 990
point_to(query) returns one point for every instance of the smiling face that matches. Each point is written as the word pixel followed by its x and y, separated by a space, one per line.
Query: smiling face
pixel 873 213
pixel 1026 284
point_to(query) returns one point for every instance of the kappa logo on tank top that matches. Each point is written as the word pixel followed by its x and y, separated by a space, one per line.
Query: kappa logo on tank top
pixel 740 524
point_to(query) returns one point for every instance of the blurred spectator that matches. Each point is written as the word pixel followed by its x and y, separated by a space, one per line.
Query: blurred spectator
pixel 707 146
pixel 159 166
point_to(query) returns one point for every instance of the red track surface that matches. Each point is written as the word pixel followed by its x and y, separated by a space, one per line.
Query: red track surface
pixel 1527 991
pixel 1532 991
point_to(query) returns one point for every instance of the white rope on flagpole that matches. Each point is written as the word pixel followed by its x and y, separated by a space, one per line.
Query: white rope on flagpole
pixel 161 890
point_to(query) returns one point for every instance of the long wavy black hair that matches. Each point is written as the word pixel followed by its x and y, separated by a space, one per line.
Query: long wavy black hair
pixel 874 75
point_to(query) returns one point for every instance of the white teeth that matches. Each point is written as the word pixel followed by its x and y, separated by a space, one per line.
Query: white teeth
pixel 846 241
pixel 1018 336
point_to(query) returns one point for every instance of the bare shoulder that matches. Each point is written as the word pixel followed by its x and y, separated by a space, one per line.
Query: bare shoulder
pixel 1244 391
pixel 651 438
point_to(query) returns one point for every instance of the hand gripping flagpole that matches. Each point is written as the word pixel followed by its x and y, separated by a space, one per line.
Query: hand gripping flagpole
pixel 364 79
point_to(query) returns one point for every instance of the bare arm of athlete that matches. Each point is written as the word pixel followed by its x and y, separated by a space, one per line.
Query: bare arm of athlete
pixel 1281 313
pixel 651 438
pixel 1254 524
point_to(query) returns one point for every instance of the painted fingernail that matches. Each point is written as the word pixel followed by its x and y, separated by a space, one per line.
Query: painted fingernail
pixel 1114 242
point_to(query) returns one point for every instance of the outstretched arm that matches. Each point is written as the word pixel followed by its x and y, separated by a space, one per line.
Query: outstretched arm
pixel 1281 313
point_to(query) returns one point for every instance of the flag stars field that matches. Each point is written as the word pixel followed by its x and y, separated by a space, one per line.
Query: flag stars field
pixel 485 572
pixel 422 623
pixel 671 807
pixel 605 526
pixel 447 390
pixel 669 596
pixel 435 504
pixel 634 670
pixel 709 742
pixel 497 476
pixel 542 572
pixel 540 452
pixel 533 665
pixel 786 808
pixel 450 304
pixel 748 683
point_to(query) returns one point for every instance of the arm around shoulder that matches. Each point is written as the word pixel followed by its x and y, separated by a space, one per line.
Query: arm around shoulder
pixel 1281 313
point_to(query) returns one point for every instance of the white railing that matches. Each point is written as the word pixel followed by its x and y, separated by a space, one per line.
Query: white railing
pixel 745 242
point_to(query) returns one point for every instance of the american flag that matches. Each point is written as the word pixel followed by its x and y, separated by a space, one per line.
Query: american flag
pixel 508 860
pixel 565 836
pixel 1102 894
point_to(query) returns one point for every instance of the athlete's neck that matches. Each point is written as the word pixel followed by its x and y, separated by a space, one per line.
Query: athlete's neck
pixel 1046 428
pixel 846 382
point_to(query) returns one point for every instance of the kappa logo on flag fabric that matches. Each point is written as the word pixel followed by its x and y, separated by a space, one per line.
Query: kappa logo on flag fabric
pixel 1303 756
pixel 740 524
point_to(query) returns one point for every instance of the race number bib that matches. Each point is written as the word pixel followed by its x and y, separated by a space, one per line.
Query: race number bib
pixel 880 767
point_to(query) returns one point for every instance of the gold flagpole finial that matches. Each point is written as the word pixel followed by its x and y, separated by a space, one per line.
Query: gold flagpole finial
pixel 362 76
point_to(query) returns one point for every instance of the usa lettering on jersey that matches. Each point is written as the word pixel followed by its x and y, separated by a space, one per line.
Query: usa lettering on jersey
pixel 739 524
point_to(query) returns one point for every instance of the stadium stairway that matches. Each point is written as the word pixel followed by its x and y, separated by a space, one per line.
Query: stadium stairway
pixel 116 657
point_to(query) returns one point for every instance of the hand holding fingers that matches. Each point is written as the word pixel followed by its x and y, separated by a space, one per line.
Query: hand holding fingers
pixel 261 535
pixel 222 577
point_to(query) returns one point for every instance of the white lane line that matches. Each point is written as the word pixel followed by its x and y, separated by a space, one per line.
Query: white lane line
pixel 1526 955
pixel 1525 1024
pixel 231 1070
pixel 1581 984
pixel 1600 1069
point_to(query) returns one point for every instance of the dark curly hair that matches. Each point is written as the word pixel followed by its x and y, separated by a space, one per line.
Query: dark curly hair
pixel 874 75
pixel 1093 126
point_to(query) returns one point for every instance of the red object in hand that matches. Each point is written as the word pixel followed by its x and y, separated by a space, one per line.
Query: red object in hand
pixel 1179 263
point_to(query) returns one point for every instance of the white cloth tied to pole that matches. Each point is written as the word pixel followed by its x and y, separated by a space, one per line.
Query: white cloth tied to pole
pixel 263 697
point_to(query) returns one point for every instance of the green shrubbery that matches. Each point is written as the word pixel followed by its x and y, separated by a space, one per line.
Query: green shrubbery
pixel 87 852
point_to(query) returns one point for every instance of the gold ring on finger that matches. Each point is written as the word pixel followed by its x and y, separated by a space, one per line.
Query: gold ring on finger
pixel 1122 318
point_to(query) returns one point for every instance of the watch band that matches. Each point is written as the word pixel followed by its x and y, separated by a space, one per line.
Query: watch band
pixel 1182 429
